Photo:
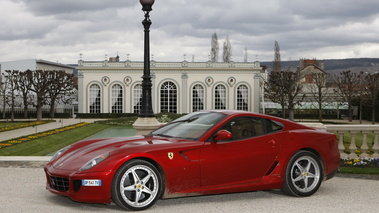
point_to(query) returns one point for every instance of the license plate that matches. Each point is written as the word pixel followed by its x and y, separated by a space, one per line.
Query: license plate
pixel 91 182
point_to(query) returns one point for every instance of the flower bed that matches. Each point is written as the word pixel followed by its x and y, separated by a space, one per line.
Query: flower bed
pixel 29 124
pixel 360 162
pixel 23 139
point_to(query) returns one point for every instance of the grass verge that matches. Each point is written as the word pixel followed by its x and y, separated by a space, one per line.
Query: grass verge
pixel 355 170
pixel 7 126
pixel 49 144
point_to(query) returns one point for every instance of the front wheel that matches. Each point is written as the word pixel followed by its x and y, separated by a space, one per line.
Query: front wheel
pixel 136 185
pixel 303 175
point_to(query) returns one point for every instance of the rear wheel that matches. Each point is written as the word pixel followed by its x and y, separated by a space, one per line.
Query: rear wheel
pixel 303 174
pixel 136 185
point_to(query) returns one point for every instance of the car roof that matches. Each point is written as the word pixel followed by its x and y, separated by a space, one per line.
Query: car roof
pixel 287 123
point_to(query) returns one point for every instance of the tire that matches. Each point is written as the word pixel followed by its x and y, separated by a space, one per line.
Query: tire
pixel 303 175
pixel 137 185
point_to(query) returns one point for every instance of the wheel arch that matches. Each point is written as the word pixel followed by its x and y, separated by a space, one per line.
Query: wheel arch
pixel 289 186
pixel 319 156
pixel 315 152
pixel 289 155
pixel 156 165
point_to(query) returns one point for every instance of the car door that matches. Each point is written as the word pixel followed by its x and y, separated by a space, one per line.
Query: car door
pixel 244 159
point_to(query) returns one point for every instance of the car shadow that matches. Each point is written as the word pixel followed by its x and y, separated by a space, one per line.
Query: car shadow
pixel 166 203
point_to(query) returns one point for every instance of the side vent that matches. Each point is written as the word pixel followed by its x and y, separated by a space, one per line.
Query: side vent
pixel 272 168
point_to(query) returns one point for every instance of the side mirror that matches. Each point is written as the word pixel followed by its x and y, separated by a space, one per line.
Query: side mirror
pixel 222 135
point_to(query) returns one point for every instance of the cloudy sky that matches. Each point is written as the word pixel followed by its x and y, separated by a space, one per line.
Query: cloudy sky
pixel 61 30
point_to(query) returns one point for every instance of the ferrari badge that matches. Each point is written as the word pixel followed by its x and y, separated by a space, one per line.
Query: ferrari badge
pixel 170 155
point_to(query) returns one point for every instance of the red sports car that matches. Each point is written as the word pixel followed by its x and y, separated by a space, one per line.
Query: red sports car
pixel 207 152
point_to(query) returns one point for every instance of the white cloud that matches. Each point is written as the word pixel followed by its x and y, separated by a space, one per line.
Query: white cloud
pixel 61 30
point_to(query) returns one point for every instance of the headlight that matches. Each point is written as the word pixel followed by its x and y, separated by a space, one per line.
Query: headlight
pixel 61 151
pixel 94 161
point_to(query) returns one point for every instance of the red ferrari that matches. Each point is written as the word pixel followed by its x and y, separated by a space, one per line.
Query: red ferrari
pixel 207 152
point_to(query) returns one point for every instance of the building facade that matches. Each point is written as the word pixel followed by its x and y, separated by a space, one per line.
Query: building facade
pixel 34 64
pixel 113 86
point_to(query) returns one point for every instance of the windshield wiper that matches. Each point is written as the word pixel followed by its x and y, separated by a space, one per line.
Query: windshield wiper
pixel 182 121
pixel 163 135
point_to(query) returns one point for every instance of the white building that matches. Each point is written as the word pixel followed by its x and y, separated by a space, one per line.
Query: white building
pixel 113 86
pixel 34 64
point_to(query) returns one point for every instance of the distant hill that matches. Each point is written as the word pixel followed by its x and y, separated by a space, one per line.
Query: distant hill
pixel 337 65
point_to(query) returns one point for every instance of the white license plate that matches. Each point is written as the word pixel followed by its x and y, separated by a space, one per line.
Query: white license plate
pixel 91 182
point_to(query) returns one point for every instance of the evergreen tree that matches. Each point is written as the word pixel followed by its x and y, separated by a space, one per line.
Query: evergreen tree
pixel 227 51
pixel 214 48
pixel 277 64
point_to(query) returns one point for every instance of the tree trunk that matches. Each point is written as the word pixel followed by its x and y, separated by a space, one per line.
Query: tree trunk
pixel 25 108
pixel 291 113
pixel 39 108
pixel 4 102
pixel 373 115
pixel 39 113
pixel 12 108
pixel 350 112
pixel 320 112
pixel 52 107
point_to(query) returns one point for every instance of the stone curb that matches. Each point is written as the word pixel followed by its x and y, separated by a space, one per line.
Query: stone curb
pixel 24 161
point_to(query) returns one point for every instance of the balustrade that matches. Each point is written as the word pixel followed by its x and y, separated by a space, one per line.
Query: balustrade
pixel 356 140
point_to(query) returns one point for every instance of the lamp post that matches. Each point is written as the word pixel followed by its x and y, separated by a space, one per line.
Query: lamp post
pixel 146 105
pixel 146 120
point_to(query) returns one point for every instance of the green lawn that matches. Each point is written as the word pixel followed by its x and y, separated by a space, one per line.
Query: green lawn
pixel 49 144
pixel 355 170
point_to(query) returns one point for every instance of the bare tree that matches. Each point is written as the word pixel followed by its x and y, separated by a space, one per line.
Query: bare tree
pixel 283 87
pixel 275 88
pixel 319 91
pixel 371 92
pixel 60 88
pixel 3 90
pixel 277 64
pixel 39 81
pixel 23 88
pixel 348 88
pixel 227 51
pixel 294 88
pixel 12 78
pixel 214 48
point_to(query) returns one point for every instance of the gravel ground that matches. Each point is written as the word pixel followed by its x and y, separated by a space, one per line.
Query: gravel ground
pixel 23 190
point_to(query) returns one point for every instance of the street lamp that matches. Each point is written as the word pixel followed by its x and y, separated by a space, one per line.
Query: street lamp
pixel 146 121
pixel 146 105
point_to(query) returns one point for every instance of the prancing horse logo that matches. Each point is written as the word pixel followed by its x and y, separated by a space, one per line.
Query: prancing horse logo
pixel 170 155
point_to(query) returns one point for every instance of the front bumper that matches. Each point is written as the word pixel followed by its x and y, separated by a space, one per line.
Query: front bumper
pixel 69 183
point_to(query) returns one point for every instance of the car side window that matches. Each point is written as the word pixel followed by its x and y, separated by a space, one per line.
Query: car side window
pixel 247 127
pixel 273 126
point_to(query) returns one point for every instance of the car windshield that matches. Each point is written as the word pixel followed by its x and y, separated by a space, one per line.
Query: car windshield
pixel 191 126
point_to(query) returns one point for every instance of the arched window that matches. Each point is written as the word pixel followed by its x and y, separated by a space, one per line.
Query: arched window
pixel 94 98
pixel 168 97
pixel 137 98
pixel 242 98
pixel 117 98
pixel 220 97
pixel 197 98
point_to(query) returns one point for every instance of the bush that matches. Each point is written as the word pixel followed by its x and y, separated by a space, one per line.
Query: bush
pixel 106 115
pixel 129 119
pixel 33 115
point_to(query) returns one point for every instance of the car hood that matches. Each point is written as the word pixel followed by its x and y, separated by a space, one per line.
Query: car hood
pixel 82 152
